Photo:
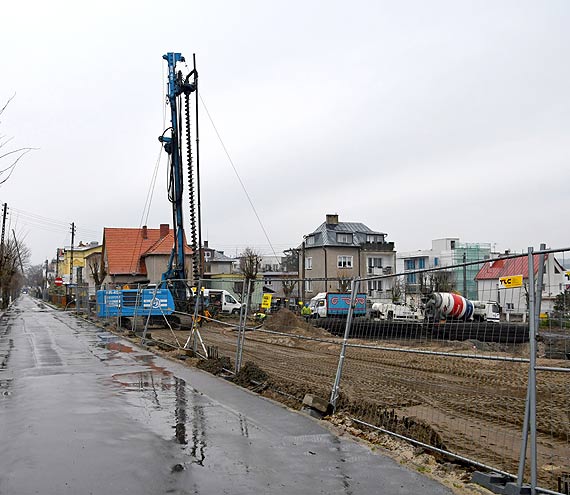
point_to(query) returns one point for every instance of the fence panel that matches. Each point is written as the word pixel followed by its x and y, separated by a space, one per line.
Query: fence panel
pixel 553 375
pixel 452 372
pixel 420 361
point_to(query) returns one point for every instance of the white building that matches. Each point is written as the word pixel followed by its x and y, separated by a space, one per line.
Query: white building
pixel 513 301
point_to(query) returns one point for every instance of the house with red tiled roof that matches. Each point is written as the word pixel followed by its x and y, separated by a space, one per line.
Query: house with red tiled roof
pixel 513 301
pixel 138 255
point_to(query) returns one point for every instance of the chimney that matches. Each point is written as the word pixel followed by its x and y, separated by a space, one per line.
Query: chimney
pixel 144 232
pixel 332 219
pixel 164 230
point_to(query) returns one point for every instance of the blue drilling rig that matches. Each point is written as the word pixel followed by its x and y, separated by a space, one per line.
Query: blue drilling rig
pixel 174 292
pixel 180 87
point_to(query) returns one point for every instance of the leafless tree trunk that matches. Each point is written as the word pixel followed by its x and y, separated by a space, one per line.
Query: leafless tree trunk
pixel 11 277
pixel 97 269
pixel 249 263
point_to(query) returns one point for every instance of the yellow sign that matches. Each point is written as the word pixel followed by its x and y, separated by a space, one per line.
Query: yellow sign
pixel 567 275
pixel 266 301
pixel 512 281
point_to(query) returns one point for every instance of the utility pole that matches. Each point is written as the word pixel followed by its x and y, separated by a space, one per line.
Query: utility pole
pixel 464 274
pixel 4 213
pixel 71 261
pixel 57 263
pixel 18 251
pixel 44 295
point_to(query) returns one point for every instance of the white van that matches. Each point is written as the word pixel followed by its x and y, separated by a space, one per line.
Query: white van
pixel 226 302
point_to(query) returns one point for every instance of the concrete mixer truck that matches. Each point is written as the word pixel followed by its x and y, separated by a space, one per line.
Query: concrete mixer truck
pixel 449 306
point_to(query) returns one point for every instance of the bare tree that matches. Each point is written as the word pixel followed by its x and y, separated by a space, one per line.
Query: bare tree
pixel 443 281
pixel 15 256
pixel 397 289
pixel 97 269
pixel 35 278
pixel 249 264
pixel 291 261
pixel 9 158
pixel 288 286
pixel 343 282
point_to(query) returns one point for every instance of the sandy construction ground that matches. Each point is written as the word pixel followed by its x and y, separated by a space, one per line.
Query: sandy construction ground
pixel 472 407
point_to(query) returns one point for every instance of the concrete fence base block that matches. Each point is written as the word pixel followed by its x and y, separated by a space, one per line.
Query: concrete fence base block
pixel 499 483
pixel 316 403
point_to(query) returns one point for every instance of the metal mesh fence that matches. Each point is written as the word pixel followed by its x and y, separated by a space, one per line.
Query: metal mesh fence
pixel 553 374
pixel 453 373
pixel 299 357
pixel 444 356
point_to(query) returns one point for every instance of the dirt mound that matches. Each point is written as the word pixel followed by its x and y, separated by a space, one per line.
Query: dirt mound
pixel 283 318
pixel 286 321
pixel 215 366
pixel 250 374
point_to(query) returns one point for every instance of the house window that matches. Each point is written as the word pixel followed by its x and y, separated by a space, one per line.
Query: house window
pixel 309 263
pixel 374 238
pixel 436 262
pixel 344 262
pixel 374 263
pixel 267 281
pixel 374 285
pixel 308 286
pixel 411 278
pixel 310 240
pixel 344 238
pixel 509 306
pixel 410 264
pixel 452 244
pixel 421 263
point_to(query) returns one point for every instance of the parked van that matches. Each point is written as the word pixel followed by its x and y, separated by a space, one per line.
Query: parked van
pixel 220 299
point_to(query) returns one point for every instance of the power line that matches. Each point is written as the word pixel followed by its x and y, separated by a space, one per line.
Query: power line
pixel 238 177
pixel 48 224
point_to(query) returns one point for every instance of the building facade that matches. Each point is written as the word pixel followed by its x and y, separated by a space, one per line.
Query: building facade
pixel 337 252
pixel 445 252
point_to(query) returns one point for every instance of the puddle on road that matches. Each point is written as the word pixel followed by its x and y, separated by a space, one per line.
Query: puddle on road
pixel 166 404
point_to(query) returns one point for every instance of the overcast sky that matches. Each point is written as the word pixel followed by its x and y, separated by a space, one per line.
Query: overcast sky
pixel 419 119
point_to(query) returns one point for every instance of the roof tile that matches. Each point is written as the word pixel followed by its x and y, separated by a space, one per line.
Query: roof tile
pixel 125 248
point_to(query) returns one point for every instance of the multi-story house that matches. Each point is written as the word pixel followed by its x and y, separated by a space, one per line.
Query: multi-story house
pixel 71 262
pixel 216 263
pixel 336 252
pixel 444 253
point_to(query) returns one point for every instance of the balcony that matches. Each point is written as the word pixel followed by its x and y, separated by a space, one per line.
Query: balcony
pixel 377 246
pixel 373 270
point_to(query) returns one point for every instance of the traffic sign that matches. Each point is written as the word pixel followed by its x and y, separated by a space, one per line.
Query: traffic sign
pixel 266 301
pixel 58 281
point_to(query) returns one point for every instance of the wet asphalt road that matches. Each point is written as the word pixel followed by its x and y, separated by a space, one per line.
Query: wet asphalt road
pixel 81 417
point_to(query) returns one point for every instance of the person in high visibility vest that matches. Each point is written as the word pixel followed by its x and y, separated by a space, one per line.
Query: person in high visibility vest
pixel 306 312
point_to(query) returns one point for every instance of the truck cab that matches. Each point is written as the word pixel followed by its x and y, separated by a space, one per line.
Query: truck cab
pixel 318 305
pixel 486 311
pixel 220 299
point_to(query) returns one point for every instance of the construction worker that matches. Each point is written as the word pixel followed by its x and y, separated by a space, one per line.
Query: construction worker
pixel 306 312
